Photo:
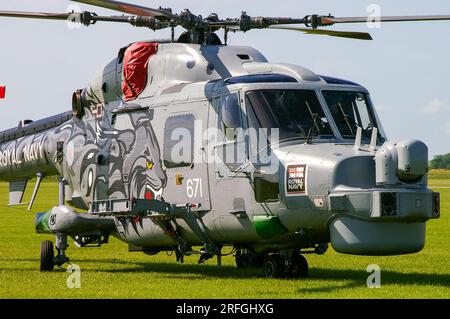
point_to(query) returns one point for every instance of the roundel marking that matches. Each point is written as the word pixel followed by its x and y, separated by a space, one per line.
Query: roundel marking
pixel 70 153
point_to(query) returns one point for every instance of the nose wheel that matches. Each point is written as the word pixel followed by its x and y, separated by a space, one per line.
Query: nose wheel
pixel 273 266
pixel 246 258
pixel 281 266
pixel 299 266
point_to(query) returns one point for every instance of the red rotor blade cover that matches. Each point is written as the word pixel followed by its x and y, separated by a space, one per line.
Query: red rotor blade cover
pixel 2 91
pixel 135 68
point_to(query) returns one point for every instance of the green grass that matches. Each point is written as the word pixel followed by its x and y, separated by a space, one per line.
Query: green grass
pixel 439 183
pixel 439 174
pixel 112 272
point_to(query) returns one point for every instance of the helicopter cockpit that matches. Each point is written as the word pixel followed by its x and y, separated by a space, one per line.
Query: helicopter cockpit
pixel 320 114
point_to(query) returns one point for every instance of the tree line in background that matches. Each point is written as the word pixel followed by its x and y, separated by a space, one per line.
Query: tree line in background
pixel 440 162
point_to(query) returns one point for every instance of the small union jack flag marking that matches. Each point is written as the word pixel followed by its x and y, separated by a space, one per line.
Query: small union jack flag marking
pixel 2 91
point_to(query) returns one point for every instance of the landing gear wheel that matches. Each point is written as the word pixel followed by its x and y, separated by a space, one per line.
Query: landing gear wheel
pixel 300 266
pixel 248 259
pixel 273 266
pixel 241 262
pixel 258 261
pixel 47 256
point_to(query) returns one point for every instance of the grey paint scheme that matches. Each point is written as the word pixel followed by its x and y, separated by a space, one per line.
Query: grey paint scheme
pixel 110 155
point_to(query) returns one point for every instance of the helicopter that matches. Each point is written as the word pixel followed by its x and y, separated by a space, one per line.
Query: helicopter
pixel 189 142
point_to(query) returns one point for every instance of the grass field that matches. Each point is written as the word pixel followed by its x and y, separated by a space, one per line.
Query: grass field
pixel 439 174
pixel 112 272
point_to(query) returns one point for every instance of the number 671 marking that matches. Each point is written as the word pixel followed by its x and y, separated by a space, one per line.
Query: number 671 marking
pixel 194 188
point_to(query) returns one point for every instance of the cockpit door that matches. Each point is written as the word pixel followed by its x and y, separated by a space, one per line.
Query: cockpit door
pixel 184 155
pixel 230 148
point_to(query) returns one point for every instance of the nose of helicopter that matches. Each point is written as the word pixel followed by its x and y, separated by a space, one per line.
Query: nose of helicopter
pixel 368 202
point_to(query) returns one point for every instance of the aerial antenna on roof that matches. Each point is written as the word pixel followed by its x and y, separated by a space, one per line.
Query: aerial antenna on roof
pixel 358 138
pixel 373 139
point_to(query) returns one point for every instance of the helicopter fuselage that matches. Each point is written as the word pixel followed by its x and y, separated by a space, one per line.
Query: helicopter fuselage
pixel 237 151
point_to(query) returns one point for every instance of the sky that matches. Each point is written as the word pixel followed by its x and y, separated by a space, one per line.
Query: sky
pixel 406 68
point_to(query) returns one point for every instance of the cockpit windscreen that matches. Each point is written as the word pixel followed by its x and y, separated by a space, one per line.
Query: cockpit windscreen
pixel 296 113
pixel 351 110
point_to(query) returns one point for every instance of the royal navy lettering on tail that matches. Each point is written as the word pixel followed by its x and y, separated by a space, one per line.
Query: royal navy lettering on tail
pixel 31 152
pixel 9 157
pixel 34 151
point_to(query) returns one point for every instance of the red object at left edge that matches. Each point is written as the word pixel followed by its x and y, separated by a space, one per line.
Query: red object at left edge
pixel 2 91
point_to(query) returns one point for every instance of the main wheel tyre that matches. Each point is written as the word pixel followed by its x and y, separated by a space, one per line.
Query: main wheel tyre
pixel 273 267
pixel 242 260
pixel 257 261
pixel 47 256
pixel 249 259
pixel 301 266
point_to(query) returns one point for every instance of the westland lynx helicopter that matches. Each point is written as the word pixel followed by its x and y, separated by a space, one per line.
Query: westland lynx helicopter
pixel 133 152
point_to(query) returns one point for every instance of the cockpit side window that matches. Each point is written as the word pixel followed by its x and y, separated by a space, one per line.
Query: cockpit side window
pixel 230 116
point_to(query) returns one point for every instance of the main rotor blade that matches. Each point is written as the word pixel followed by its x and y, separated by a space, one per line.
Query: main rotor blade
pixel 35 15
pixel 129 8
pixel 88 18
pixel 246 23
pixel 332 20
pixel 332 33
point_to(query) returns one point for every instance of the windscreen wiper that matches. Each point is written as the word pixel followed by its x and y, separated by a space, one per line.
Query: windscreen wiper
pixel 311 130
pixel 314 124
pixel 345 116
